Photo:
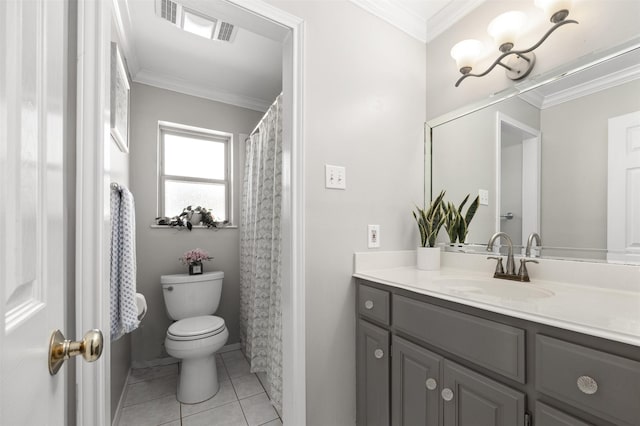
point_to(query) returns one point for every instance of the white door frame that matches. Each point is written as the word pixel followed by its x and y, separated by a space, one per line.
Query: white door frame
pixel 92 272
pixel 92 207
pixel 531 166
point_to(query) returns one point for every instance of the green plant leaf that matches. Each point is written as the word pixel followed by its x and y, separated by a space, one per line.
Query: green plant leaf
pixel 430 220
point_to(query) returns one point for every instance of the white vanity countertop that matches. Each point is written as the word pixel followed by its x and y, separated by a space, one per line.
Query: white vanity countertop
pixel 607 310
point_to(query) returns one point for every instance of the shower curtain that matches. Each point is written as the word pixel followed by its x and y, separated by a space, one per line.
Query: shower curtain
pixel 260 283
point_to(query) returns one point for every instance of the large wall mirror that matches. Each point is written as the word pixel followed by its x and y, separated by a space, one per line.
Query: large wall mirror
pixel 559 154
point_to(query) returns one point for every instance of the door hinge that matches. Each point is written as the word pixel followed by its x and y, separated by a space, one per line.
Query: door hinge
pixel 527 419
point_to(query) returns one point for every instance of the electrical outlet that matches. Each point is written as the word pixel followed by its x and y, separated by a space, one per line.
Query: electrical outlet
pixel 335 177
pixel 373 236
pixel 484 197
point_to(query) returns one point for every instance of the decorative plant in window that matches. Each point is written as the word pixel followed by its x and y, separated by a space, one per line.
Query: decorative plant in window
pixel 190 217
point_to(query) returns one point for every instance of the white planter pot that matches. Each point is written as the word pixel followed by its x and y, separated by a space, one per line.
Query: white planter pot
pixel 428 258
pixel 196 218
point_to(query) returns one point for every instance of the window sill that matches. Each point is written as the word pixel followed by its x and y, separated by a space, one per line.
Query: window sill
pixel 180 228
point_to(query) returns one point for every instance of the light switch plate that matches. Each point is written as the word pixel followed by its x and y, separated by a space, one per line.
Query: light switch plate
pixel 484 197
pixel 335 177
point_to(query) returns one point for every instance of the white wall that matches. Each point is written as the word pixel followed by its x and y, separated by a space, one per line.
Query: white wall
pixel 602 24
pixel 363 109
pixel 581 220
pixel 121 348
pixel 158 250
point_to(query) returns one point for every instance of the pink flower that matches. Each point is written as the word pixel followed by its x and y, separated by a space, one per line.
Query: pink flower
pixel 196 255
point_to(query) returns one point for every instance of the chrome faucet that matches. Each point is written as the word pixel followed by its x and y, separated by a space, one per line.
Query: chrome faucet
pixel 510 273
pixel 511 267
pixel 532 236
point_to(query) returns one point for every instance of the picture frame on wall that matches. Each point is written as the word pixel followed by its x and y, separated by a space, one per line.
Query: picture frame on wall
pixel 120 94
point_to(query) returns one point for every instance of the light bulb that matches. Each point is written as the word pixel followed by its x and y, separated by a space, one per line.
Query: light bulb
pixel 466 54
pixel 505 29
pixel 556 10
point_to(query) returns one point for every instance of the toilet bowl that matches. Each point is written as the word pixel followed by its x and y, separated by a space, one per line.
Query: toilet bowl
pixel 197 335
pixel 195 341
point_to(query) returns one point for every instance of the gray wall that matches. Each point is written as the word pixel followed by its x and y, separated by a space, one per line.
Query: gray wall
pixel 464 160
pixel 511 183
pixel 121 348
pixel 363 109
pixel 158 250
pixel 574 161
pixel 602 24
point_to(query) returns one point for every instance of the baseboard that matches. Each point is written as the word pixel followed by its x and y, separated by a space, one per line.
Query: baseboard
pixel 229 348
pixel 170 360
pixel 123 395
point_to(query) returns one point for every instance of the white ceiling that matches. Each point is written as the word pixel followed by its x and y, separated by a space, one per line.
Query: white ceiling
pixel 248 71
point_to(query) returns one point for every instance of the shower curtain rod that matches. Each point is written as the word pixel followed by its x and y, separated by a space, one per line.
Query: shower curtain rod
pixel 257 128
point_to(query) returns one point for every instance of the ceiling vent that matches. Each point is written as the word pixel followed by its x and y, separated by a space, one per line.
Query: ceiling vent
pixel 169 11
pixel 195 22
pixel 225 32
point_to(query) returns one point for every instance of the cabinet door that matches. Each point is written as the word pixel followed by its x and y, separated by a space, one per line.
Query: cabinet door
pixel 373 375
pixel 415 385
pixel 471 399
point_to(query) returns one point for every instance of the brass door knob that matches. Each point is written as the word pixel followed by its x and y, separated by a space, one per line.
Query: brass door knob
pixel 61 349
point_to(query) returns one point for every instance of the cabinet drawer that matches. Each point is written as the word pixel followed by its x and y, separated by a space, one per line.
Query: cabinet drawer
pixel 549 416
pixel 495 346
pixel 374 304
pixel 597 382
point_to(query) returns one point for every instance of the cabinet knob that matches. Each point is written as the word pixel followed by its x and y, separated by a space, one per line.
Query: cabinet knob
pixel 587 385
pixel 447 394
pixel 431 383
pixel 368 304
pixel 378 353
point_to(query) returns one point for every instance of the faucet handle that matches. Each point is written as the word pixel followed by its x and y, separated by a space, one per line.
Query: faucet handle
pixel 522 272
pixel 499 267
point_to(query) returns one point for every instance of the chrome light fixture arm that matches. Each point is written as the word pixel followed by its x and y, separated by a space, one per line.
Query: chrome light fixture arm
pixel 523 64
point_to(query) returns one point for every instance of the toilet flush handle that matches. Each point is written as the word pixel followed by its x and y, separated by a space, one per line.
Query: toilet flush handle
pixel 170 288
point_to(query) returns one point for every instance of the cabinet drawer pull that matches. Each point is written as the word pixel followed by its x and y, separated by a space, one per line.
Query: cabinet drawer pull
pixel 378 353
pixel 447 394
pixel 587 385
pixel 368 304
pixel 431 384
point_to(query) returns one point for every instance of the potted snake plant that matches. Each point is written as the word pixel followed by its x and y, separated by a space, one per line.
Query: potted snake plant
pixel 456 222
pixel 429 221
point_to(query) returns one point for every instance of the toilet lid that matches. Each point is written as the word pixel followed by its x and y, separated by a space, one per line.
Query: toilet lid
pixel 196 327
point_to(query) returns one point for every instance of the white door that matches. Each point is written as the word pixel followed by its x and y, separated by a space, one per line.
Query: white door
pixel 32 225
pixel 623 212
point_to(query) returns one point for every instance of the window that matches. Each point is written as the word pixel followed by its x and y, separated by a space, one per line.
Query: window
pixel 194 170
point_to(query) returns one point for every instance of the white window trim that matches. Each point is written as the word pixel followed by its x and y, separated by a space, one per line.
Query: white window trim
pixel 200 132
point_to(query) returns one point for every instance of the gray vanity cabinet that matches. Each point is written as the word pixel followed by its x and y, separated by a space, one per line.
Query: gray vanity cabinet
pixel 471 399
pixel 423 361
pixel 373 374
pixel 415 384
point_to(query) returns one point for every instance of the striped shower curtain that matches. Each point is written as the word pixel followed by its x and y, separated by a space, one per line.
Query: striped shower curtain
pixel 260 282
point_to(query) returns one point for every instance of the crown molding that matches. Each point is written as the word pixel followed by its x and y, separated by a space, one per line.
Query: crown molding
pixel 176 85
pixel 449 15
pixel 122 22
pixel 534 97
pixel 397 16
pixel 616 78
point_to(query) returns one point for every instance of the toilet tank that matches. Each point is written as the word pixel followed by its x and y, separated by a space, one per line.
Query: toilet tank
pixel 188 296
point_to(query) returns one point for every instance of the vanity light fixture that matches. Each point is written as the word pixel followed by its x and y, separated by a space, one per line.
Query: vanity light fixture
pixel 505 30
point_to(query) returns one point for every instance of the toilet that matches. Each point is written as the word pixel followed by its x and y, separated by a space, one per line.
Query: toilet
pixel 196 335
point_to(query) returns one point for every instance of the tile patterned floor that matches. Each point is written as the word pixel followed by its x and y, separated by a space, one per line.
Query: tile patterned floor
pixel 150 398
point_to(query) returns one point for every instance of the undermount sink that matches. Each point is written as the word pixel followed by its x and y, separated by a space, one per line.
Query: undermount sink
pixel 492 287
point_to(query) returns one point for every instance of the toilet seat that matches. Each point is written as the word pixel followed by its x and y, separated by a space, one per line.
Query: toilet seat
pixel 196 328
